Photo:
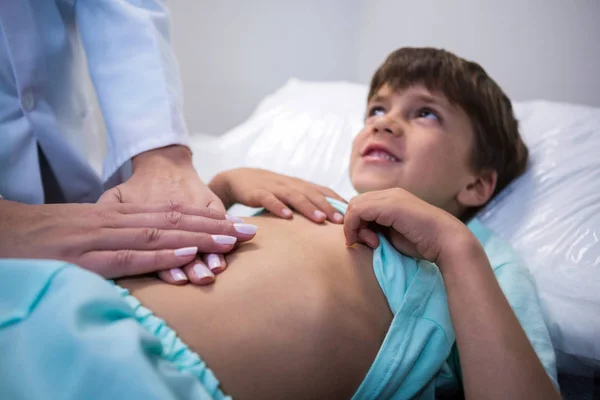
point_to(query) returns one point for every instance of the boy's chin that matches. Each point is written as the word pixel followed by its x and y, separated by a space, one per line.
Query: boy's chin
pixel 371 184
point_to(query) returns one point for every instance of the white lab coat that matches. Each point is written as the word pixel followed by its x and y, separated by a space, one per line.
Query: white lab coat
pixel 43 98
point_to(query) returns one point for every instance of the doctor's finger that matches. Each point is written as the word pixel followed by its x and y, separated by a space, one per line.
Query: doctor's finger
pixel 198 273
pixel 189 223
pixel 215 262
pixel 217 205
pixel 173 206
pixel 120 263
pixel 156 239
pixel 174 276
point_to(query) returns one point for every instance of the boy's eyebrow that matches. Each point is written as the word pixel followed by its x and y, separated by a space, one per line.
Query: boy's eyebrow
pixel 424 97
pixel 377 98
pixel 432 99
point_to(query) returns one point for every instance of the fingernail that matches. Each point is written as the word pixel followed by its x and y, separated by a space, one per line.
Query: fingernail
pixel 320 214
pixel 213 261
pixel 338 217
pixel 178 275
pixel 224 239
pixel 233 218
pixel 286 212
pixel 247 229
pixel 201 271
pixel 186 251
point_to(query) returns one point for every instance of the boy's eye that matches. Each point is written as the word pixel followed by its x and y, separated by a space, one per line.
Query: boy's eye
pixel 376 111
pixel 428 113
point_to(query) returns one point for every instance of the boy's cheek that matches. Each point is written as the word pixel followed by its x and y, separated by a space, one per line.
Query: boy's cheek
pixel 354 159
pixel 359 141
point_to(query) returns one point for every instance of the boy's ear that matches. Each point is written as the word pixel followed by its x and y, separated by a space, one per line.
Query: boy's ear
pixel 479 190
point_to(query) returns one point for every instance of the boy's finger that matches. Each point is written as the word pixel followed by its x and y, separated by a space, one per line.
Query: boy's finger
pixel 174 276
pixel 198 273
pixel 304 206
pixel 351 231
pixel 352 223
pixel 275 206
pixel 323 205
pixel 215 262
pixel 369 237
pixel 330 193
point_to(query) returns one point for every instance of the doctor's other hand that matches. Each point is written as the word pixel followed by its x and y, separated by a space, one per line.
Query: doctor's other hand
pixel 116 240
pixel 164 175
pixel 255 187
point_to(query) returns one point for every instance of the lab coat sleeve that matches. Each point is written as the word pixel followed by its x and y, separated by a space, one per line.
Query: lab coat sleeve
pixel 135 74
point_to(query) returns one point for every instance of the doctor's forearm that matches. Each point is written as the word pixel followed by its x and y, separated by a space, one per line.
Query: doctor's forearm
pixel 170 167
pixel 170 155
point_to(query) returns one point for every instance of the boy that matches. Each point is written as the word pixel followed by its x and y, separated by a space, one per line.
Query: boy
pixel 438 132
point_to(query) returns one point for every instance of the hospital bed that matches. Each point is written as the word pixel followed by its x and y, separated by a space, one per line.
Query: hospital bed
pixel 551 215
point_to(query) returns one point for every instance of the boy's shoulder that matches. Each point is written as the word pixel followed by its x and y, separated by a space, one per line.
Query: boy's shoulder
pixel 499 252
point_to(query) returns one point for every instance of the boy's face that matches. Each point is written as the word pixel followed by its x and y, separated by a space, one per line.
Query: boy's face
pixel 415 140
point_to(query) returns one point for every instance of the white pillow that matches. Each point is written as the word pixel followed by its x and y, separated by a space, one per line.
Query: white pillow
pixel 304 129
pixel 551 215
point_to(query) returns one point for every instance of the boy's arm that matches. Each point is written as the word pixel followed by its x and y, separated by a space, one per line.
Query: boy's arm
pixel 496 357
pixel 255 187
pixel 520 290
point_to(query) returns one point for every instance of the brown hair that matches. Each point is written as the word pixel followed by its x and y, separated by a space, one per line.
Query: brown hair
pixel 498 145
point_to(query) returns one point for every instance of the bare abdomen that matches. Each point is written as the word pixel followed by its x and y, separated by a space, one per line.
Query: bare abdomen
pixel 296 315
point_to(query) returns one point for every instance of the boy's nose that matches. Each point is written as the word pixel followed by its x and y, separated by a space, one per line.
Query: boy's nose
pixel 384 125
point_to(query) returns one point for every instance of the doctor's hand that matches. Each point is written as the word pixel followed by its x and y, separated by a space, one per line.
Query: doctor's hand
pixel 255 187
pixel 115 240
pixel 164 175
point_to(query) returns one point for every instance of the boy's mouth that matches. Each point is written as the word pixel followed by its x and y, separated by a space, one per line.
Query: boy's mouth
pixel 379 153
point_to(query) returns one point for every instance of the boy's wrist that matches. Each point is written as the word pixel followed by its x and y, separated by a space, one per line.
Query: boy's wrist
pixel 462 250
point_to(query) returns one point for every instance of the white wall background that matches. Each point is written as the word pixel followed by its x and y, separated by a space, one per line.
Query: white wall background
pixel 232 52
pixel 547 49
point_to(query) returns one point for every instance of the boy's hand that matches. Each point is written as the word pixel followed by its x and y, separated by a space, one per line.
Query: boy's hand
pixel 275 192
pixel 416 228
